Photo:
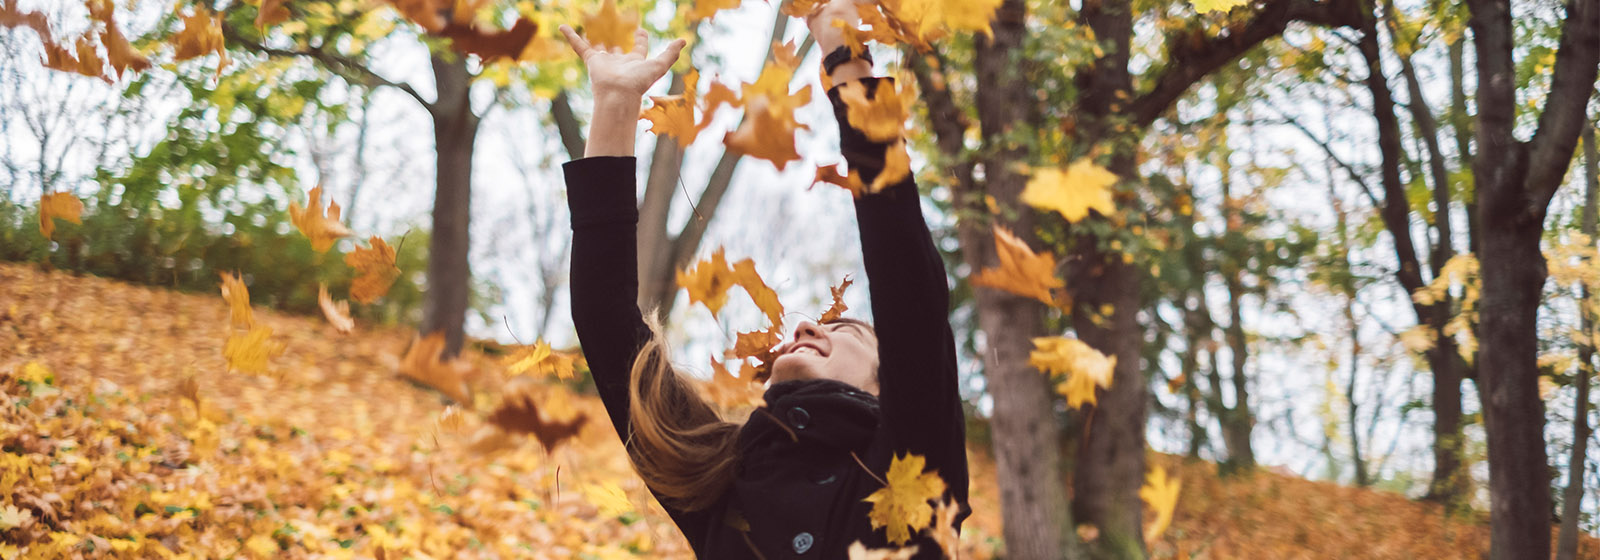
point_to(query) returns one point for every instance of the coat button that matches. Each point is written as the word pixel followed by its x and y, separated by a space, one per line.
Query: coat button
pixel 823 477
pixel 802 543
pixel 799 417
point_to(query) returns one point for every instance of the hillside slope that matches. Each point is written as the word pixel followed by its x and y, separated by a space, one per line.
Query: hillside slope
pixel 110 448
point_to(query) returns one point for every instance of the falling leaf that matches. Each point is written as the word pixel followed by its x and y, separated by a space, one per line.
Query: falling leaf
pixel 249 352
pixel 728 391
pixel 758 345
pixel 189 390
pixel 609 498
pixel 708 281
pixel 58 205
pixel 422 364
pixel 896 167
pixel 201 35
pixel 1161 494
pixel 1084 367
pixel 424 13
pixel 321 229
pixel 490 45
pixel 271 12
pixel 337 312
pixel 11 16
pixel 838 307
pixel 767 132
pixel 830 174
pixel 611 28
pixel 238 298
pixel 540 359
pixel 902 506
pixel 375 270
pixel 1081 187
pixel 882 117
pixel 1021 271
pixel 673 115
pixel 119 53
pixel 801 8
pixel 518 412
pixel 707 9
pixel 860 551
pixel 1206 6
pixel 934 18
pixel 944 531
pixel 745 275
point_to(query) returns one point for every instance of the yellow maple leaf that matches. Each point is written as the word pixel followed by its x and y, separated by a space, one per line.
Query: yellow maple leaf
pixel 767 132
pixel 745 275
pixel 933 18
pixel 540 359
pixel 321 229
pixel 882 117
pixel 838 307
pixel 1021 271
pixel 902 506
pixel 58 205
pixel 707 9
pixel 673 115
pixel 1204 6
pixel 609 27
pixel 422 363
pixel 249 352
pixel 1081 187
pixel 609 498
pixel 201 35
pixel 1161 494
pixel 1084 367
pixel 238 298
pixel 337 312
pixel 708 281
pixel 375 269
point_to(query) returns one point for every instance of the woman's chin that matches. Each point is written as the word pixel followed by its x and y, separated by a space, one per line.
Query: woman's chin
pixel 791 368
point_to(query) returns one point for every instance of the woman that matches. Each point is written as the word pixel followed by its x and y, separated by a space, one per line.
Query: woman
pixel 842 399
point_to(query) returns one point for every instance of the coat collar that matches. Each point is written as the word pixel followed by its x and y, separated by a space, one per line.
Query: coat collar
pixel 817 412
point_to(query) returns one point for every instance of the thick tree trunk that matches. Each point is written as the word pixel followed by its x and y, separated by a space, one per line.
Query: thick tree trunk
pixel 1572 497
pixel 455 128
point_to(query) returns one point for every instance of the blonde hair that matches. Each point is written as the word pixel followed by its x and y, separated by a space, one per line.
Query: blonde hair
pixel 685 451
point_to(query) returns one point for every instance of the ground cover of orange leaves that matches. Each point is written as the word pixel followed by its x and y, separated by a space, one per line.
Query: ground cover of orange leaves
pixel 124 435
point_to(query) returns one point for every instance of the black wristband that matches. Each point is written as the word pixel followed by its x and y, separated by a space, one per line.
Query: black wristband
pixel 842 55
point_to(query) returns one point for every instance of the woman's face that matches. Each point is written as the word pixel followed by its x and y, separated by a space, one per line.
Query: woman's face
pixel 844 350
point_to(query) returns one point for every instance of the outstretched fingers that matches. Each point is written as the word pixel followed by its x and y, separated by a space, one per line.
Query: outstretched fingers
pixel 670 54
pixel 579 44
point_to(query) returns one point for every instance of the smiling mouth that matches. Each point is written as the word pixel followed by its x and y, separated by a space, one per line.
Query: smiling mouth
pixel 808 348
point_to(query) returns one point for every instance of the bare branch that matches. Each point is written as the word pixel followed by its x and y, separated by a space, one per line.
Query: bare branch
pixel 342 66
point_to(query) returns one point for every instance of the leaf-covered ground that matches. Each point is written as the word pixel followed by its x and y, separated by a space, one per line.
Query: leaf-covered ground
pixel 106 452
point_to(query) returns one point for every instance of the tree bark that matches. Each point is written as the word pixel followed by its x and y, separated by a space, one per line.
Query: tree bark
pixel 1514 190
pixel 455 129
pixel 1237 421
pixel 1572 497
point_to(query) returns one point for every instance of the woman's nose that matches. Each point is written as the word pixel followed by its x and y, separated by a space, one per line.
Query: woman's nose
pixel 807 328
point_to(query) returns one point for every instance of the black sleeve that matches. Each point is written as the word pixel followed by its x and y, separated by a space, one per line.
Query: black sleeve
pixel 918 388
pixel 605 288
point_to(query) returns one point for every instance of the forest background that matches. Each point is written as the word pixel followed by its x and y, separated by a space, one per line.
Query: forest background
pixel 1298 236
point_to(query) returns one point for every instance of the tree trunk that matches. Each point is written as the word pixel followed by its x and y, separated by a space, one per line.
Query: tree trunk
pixel 455 128
pixel 1237 421
pixel 1572 497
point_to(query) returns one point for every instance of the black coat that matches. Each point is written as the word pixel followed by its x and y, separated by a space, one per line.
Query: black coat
pixel 801 497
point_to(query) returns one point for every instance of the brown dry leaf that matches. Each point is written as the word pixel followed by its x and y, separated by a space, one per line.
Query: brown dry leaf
pixel 337 312
pixel 119 52
pixel 321 229
pixel 238 298
pixel 422 364
pixel 201 35
pixel 11 16
pixel 830 174
pixel 271 12
pixel 731 392
pixel 708 281
pixel 375 270
pixel 491 45
pixel 610 27
pixel 189 390
pixel 1021 271
pixel 758 345
pixel 58 205
pixel 250 351
pixel 518 412
pixel 424 13
pixel 745 275
pixel 838 307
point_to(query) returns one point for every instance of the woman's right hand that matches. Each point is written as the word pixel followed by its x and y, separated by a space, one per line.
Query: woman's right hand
pixel 623 74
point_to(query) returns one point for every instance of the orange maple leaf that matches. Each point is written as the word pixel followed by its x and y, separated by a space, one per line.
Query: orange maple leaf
pixel 745 275
pixel 838 307
pixel 201 35
pixel 58 205
pixel 238 298
pixel 321 229
pixel 518 412
pixel 943 530
pixel 768 129
pixel 424 13
pixel 1021 271
pixel 901 506
pixel 758 345
pixel 423 365
pixel 611 28
pixel 337 312
pixel 708 281
pixel 375 270
pixel 707 9
pixel 119 53
pixel 673 115
pixel 728 391
pixel 271 12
